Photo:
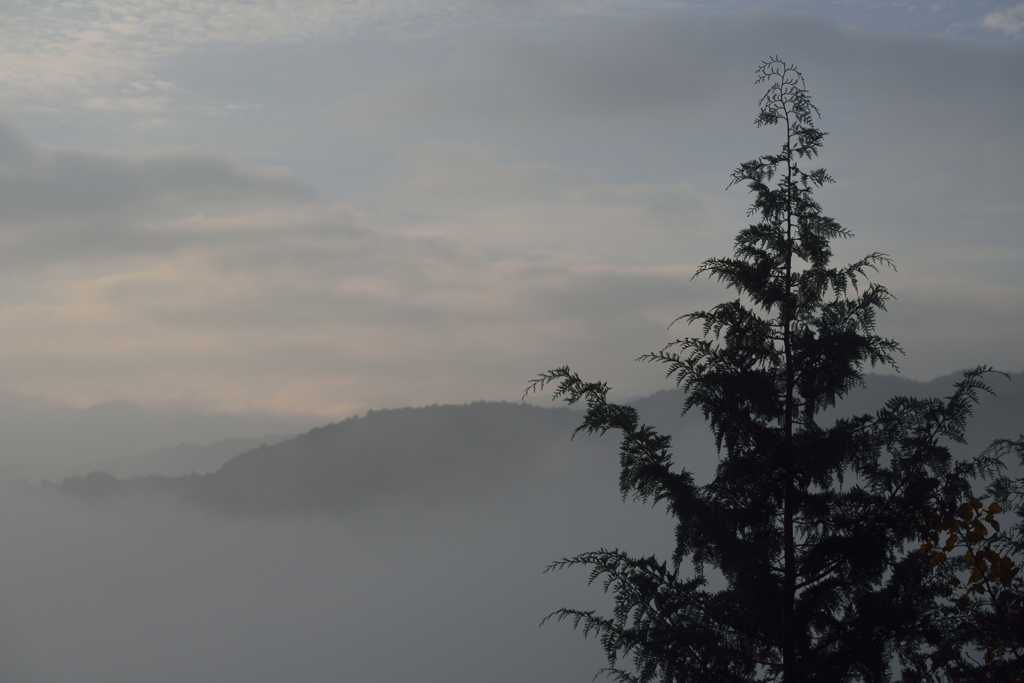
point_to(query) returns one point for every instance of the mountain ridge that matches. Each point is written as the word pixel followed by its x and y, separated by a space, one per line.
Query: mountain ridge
pixel 438 453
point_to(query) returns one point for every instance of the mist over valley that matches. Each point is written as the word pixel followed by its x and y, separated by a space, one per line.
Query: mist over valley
pixel 401 545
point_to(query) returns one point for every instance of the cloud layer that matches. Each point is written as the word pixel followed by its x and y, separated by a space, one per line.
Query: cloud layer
pixel 440 217
pixel 184 272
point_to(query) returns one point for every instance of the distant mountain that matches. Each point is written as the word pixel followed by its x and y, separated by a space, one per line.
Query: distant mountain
pixel 998 416
pixel 430 454
pixel 180 460
pixel 42 441
pixel 439 454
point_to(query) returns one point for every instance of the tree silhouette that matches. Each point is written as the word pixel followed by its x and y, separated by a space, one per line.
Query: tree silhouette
pixel 811 525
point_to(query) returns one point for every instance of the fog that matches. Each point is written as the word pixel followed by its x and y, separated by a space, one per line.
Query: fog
pixel 424 562
pixel 444 589
pixel 164 595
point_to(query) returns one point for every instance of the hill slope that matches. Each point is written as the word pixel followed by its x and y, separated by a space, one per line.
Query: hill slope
pixel 442 454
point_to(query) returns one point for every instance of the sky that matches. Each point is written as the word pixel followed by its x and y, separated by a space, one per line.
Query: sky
pixel 319 208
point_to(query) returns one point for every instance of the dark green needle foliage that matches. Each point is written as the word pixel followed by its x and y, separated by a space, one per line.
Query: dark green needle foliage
pixel 810 525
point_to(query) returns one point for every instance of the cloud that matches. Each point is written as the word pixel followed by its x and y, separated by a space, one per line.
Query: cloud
pixel 182 275
pixel 325 324
pixel 1009 21
pixel 670 67
pixel 926 127
pixel 54 49
pixel 644 66
pixel 524 200
pixel 535 209
pixel 110 53
pixel 56 202
pixel 138 105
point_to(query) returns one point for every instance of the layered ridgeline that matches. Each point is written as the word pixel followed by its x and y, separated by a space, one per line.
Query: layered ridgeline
pixel 42 441
pixel 442 454
pixel 416 455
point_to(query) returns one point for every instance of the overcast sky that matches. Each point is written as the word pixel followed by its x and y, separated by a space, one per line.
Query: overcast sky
pixel 306 206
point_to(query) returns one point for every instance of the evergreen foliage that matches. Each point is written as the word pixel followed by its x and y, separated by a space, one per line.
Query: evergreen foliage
pixel 812 524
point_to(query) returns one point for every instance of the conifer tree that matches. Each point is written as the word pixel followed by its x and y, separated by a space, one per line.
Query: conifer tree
pixel 812 525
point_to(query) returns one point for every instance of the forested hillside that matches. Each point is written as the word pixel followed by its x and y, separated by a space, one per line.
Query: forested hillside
pixel 438 454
